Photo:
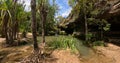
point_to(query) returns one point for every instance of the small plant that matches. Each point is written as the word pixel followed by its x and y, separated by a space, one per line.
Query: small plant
pixel 62 33
pixel 89 36
pixel 98 43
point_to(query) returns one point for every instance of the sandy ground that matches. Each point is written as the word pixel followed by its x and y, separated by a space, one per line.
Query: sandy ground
pixel 110 54
pixel 112 51
pixel 17 53
pixel 2 39
pixel 65 56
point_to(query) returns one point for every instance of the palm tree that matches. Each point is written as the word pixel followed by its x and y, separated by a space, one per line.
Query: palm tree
pixel 10 14
pixel 6 17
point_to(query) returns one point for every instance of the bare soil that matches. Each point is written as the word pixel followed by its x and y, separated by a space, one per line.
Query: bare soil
pixel 110 54
pixel 65 56
pixel 18 53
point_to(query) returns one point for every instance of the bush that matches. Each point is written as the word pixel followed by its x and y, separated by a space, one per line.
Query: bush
pixel 98 43
pixel 62 33
pixel 51 33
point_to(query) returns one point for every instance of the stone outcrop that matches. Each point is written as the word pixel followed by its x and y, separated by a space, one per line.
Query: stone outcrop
pixel 110 8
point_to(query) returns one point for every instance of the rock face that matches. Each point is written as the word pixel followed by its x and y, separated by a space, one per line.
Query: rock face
pixel 112 8
pixel 115 8
pixel 110 11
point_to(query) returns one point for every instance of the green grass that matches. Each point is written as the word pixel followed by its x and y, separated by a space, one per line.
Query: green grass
pixel 69 42
pixel 47 38
pixel 63 42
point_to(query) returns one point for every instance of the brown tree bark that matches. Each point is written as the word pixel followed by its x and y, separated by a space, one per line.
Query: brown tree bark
pixel 15 28
pixel 43 28
pixel 2 31
pixel 12 27
pixel 86 29
pixel 5 23
pixel 34 23
pixel 43 15
pixel 43 11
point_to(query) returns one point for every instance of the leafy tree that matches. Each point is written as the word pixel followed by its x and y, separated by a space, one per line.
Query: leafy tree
pixel 50 24
pixel 43 10
pixel 5 17
pixel 72 3
pixel 25 23
pixel 50 21
pixel 47 14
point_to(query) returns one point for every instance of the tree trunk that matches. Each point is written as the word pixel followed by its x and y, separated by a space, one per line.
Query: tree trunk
pixel 24 34
pixel 43 28
pixel 11 29
pixel 43 14
pixel 5 23
pixel 86 29
pixel 2 31
pixel 11 40
pixel 16 30
pixel 34 23
pixel 101 32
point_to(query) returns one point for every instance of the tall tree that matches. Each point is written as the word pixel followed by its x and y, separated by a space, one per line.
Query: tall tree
pixel 5 17
pixel 34 23
pixel 7 8
pixel 43 9
pixel 50 21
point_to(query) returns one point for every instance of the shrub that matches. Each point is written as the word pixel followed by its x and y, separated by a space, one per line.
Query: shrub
pixel 62 33
pixel 51 33
pixel 98 43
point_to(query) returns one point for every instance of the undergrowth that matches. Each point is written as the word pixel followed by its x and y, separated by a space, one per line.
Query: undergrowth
pixel 63 42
